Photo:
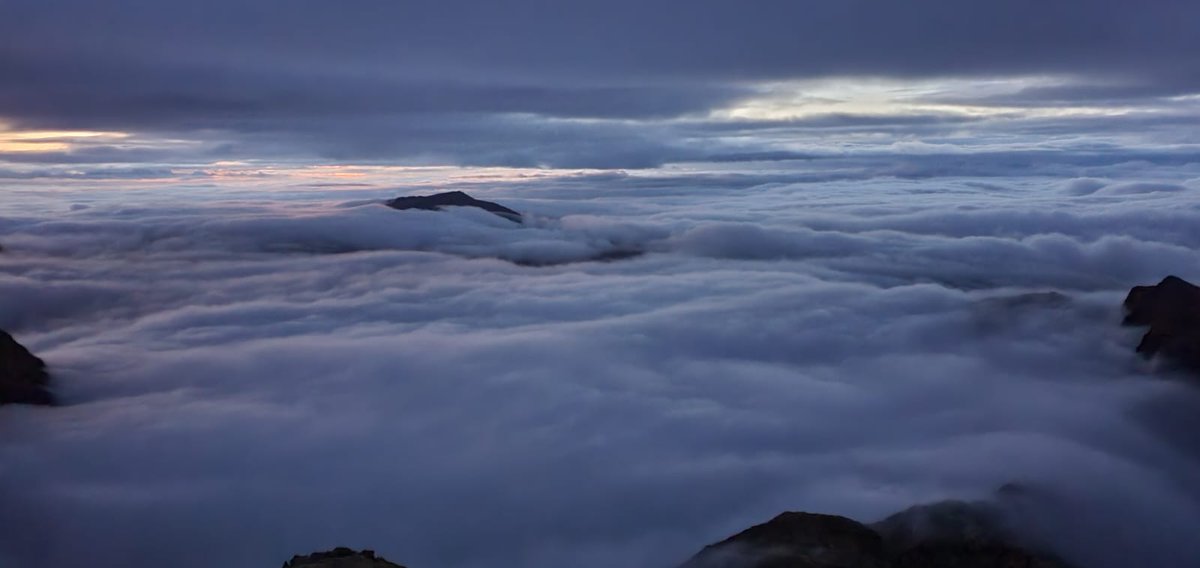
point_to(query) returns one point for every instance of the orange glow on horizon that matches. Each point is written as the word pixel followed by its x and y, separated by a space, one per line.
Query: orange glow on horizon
pixel 49 140
pixel 20 146
pixel 60 134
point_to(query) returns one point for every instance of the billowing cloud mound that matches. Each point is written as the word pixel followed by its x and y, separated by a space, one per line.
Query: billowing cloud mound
pixel 249 377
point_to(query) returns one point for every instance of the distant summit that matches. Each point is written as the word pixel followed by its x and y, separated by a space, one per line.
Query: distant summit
pixel 340 557
pixel 437 201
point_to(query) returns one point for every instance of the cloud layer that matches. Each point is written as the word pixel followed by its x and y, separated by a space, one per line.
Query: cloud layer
pixel 250 376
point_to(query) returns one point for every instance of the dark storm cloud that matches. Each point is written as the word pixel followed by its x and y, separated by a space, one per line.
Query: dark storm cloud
pixel 47 94
pixel 623 38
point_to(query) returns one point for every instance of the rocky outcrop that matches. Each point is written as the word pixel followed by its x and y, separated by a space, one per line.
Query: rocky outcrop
pixel 948 534
pixel 438 201
pixel 1171 309
pixel 23 376
pixel 797 540
pixel 952 534
pixel 340 557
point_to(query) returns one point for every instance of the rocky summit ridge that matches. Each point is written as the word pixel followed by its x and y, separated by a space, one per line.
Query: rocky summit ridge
pixel 439 201
pixel 340 557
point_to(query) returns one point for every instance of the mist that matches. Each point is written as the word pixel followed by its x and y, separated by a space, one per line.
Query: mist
pixel 246 375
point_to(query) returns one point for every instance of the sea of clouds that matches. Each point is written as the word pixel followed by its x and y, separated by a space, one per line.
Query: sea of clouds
pixel 253 374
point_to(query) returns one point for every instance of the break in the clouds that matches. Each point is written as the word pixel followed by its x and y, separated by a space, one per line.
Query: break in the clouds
pixel 566 84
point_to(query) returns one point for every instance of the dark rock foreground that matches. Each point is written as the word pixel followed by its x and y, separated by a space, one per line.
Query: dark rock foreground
pixel 952 534
pixel 340 557
pixel 23 376
pixel 437 201
pixel 797 540
pixel 1171 309
pixel 958 533
pixel 948 534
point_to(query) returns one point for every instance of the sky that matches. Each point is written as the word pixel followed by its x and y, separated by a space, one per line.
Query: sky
pixel 883 247
pixel 132 88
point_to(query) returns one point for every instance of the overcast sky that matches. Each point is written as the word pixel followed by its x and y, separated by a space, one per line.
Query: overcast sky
pixel 614 84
